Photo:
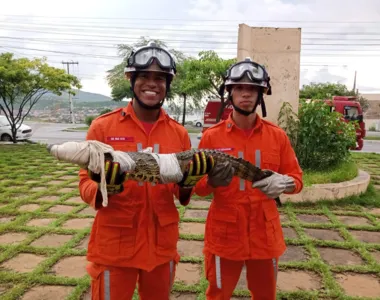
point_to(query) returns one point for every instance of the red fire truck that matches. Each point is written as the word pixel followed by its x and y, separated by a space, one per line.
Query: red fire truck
pixel 346 105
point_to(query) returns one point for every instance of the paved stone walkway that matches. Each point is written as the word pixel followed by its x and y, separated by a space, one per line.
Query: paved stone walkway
pixel 333 251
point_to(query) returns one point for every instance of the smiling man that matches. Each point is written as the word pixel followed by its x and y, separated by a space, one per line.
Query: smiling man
pixel 134 239
pixel 243 224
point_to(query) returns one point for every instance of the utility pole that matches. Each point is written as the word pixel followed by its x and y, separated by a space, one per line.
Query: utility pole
pixel 68 63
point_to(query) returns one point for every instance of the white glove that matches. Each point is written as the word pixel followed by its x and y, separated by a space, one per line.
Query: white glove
pixel 274 185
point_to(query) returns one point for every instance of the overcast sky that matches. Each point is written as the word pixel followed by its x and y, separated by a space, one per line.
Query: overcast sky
pixel 87 32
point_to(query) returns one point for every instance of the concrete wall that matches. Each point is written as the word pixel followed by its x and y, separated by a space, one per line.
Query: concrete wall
pixel 279 49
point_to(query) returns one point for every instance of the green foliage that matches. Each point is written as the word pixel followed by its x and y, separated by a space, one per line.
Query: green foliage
pixel 321 91
pixel 320 138
pixel 105 111
pixel 88 120
pixel 23 82
pixel 207 73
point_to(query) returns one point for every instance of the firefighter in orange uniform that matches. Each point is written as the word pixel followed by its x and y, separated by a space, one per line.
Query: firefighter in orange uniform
pixel 243 225
pixel 134 239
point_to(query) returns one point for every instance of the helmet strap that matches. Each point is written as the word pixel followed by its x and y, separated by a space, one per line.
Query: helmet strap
pixel 142 104
pixel 260 101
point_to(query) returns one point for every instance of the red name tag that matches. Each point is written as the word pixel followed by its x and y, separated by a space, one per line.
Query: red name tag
pixel 120 138
pixel 224 149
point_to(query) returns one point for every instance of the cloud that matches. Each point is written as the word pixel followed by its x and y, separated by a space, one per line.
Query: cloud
pixel 93 29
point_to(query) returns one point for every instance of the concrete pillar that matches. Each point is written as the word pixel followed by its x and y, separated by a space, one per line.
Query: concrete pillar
pixel 279 50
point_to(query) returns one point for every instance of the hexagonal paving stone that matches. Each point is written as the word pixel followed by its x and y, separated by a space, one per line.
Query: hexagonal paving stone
pixel 29 207
pixel 305 218
pixel 67 190
pixel 38 189
pixel 23 262
pixel 87 295
pixel 195 214
pixel 55 182
pixel 52 240
pixel 4 220
pixel 191 228
pixel 74 267
pixel 78 223
pixel 61 209
pixel 366 236
pixel 295 280
pixel 352 220
pixel 289 233
pixel 284 218
pixel 190 248
pixel 294 253
pixel 324 234
pixel 342 257
pixel 75 200
pixel 359 285
pixel 376 256
pixel 40 222
pixel 47 292
pixel 83 245
pixel 88 211
pixel 68 177
pixel 188 273
pixel 10 238
pixel 31 182
pixel 199 203
pixel 242 283
pixel 182 296
pixel 375 211
pixel 48 198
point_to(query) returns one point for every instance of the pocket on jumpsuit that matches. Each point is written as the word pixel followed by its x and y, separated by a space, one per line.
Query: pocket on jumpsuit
pixel 272 222
pixel 224 227
pixel 168 231
pixel 116 235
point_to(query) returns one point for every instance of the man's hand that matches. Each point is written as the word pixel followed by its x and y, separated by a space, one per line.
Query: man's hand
pixel 114 179
pixel 221 175
pixel 274 185
pixel 199 166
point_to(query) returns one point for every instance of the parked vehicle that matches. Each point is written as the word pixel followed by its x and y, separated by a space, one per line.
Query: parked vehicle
pixel 351 111
pixel 23 133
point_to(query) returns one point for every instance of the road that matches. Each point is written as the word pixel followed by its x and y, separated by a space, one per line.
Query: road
pixel 52 133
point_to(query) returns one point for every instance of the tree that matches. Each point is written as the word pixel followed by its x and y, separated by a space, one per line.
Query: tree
pixel 321 91
pixel 23 82
pixel 208 71
pixel 120 87
pixel 187 86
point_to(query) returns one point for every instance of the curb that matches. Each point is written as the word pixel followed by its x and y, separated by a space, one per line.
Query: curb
pixel 331 191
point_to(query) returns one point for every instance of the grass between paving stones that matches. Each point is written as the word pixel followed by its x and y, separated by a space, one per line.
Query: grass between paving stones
pixel 348 170
pixel 26 167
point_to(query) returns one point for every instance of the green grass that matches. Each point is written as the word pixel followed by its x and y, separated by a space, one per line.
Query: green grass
pixel 24 167
pixel 372 138
pixel 344 172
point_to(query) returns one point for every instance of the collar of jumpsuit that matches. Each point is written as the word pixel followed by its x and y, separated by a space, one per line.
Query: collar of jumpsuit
pixel 230 124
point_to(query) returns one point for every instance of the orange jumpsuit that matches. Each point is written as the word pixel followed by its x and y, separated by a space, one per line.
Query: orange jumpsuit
pixel 136 235
pixel 243 225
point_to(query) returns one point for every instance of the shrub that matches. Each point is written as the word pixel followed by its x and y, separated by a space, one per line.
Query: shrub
pixel 88 120
pixel 320 138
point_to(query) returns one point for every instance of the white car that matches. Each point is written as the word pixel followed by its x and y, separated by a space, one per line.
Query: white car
pixel 23 133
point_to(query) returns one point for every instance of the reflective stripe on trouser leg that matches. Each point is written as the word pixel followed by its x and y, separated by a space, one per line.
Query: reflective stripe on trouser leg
pixel 242 183
pixel 156 149
pixel 258 158
pixel 274 260
pixel 107 291
pixel 171 266
pixel 218 272
pixel 139 148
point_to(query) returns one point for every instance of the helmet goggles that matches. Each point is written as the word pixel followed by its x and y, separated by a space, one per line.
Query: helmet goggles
pixel 144 57
pixel 252 70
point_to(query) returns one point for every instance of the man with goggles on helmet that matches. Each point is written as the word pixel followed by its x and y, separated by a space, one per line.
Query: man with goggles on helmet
pixel 134 239
pixel 243 224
